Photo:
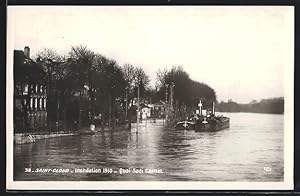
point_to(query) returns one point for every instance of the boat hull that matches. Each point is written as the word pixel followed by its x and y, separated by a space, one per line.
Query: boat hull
pixel 213 125
pixel 185 125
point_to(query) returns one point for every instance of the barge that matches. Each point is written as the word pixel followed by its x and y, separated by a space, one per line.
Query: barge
pixel 204 120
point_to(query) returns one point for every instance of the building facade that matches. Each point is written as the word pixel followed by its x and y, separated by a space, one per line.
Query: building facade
pixel 30 93
pixel 158 109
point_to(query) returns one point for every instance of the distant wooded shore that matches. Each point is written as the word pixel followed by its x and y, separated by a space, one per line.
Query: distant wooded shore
pixel 270 106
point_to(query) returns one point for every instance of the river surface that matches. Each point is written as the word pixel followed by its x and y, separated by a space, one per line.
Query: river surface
pixel 250 150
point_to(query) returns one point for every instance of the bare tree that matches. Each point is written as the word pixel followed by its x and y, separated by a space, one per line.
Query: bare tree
pixel 186 91
pixel 128 72
pixel 80 61
pixel 140 77
pixel 55 69
pixel 161 77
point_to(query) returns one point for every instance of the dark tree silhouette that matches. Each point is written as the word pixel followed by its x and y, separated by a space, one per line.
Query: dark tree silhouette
pixel 187 92
pixel 272 105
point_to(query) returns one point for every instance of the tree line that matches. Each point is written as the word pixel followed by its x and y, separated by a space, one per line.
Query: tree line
pixel 83 84
pixel 272 105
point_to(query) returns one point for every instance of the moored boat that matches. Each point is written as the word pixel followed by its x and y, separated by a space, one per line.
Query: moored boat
pixel 204 120
pixel 212 123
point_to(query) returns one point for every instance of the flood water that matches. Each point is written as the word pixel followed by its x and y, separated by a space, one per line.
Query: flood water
pixel 250 150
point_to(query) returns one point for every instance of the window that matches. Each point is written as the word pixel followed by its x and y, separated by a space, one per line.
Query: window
pixel 25 92
pixel 41 88
pixel 36 88
pixel 35 103
pixel 31 103
pixel 41 103
pixel 45 103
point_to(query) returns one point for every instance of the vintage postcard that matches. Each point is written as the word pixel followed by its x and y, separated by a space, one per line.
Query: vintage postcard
pixel 150 97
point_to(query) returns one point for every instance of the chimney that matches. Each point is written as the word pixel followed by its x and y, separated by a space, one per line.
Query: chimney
pixel 27 52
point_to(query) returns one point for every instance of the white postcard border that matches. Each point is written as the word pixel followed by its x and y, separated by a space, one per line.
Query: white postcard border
pixel 287 184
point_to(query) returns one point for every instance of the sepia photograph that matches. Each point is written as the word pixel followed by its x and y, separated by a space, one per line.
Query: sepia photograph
pixel 150 97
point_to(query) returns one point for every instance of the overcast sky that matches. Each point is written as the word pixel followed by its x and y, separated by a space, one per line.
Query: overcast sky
pixel 239 51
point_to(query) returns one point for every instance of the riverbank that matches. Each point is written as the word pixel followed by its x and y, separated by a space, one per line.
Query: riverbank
pixel 25 138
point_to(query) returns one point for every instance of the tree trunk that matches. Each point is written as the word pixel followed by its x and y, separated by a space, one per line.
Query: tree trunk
pixel 80 112
pixel 47 100
pixel 93 104
pixel 57 109
pixel 126 111
pixel 103 114
pixel 109 110
pixel 64 112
